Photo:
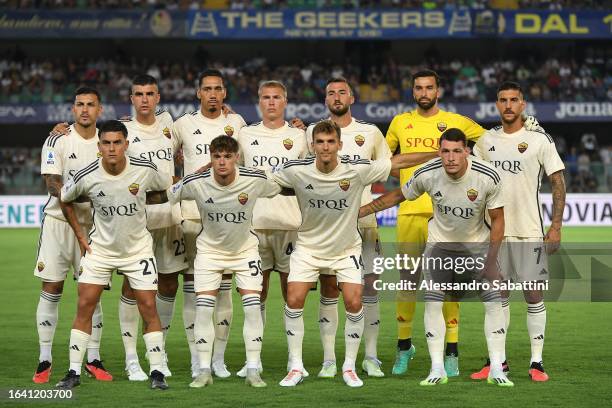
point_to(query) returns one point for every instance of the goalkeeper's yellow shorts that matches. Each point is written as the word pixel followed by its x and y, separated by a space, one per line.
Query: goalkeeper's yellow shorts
pixel 412 233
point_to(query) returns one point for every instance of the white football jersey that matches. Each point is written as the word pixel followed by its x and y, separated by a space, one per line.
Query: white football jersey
pixel 119 220
pixel 156 143
pixel 64 156
pixel 265 149
pixel 521 158
pixel 459 205
pixel 329 202
pixel 194 132
pixel 360 140
pixel 227 211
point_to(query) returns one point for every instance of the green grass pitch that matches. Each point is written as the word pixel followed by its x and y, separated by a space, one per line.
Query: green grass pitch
pixel 577 352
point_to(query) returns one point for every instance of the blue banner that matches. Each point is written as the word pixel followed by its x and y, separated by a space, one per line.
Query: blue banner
pixel 363 24
pixel 91 24
pixel 309 112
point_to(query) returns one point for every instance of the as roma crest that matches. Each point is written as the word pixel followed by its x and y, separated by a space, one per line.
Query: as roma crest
pixel 472 194
pixel 344 184
pixel 288 143
pixel 40 266
pixel 167 133
pixel 133 188
pixel 243 198
pixel 441 126
pixel 228 130
pixel 98 155
pixel 522 147
pixel 360 140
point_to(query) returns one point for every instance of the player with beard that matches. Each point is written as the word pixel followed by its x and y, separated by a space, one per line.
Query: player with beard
pixel 194 131
pixel 419 131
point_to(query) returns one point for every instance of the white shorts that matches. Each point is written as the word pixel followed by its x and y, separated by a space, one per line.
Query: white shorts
pixel 58 250
pixel 141 273
pixel 169 249
pixel 209 270
pixel 275 247
pixel 370 249
pixel 191 230
pixel 306 268
pixel 523 259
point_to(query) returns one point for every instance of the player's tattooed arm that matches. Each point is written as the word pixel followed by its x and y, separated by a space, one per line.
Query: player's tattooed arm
pixel 70 215
pixel 157 197
pixel 387 200
pixel 54 184
pixel 553 236
pixel 405 160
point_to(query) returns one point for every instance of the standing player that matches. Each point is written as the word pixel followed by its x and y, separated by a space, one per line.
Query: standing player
pixel 361 140
pixel 226 196
pixel 463 190
pixel 267 144
pixel 329 191
pixel 194 132
pixel 522 157
pixel 419 131
pixel 116 185
pixel 150 138
pixel 57 247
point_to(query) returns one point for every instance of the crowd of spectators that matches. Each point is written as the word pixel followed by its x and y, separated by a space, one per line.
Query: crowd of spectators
pixel 301 4
pixel 52 80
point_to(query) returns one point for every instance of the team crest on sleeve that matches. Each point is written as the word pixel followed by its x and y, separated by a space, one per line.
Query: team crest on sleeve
pixel 360 140
pixel 441 126
pixel 228 130
pixel 344 184
pixel 288 143
pixel 243 198
pixel 133 188
pixel 167 133
pixel 40 266
pixel 522 147
pixel 472 194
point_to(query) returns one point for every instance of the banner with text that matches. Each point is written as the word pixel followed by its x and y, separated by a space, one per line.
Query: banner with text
pixel 363 24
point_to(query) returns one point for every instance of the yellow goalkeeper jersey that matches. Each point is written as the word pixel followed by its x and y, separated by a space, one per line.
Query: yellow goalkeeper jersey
pixel 413 133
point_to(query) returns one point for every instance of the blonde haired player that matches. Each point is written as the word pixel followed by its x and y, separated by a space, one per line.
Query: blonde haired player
pixel 265 145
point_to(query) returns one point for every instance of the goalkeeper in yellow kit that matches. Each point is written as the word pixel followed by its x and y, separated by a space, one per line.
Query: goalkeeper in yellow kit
pixel 411 132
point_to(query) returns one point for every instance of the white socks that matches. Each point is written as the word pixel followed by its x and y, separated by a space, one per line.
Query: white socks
pixel 154 341
pixel 294 326
pixel 252 331
pixel 353 330
pixel 495 330
pixel 223 319
pixel 371 312
pixel 93 347
pixel 46 322
pixel 189 313
pixel 204 329
pixel 77 346
pixel 328 326
pixel 536 325
pixel 165 310
pixel 435 330
pixel 128 322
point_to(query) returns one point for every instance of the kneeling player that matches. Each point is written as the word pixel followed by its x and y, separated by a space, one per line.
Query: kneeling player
pixel 226 196
pixel 462 189
pixel 116 185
